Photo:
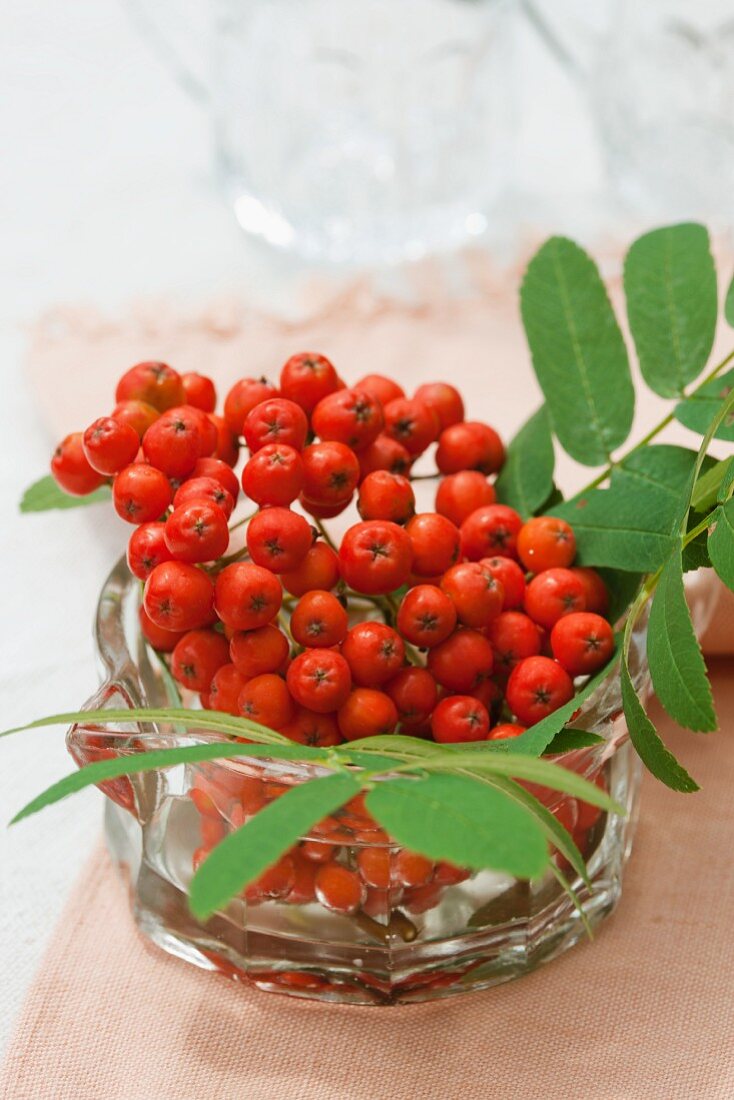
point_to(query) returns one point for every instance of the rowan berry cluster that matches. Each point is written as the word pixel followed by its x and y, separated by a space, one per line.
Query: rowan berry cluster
pixel 460 624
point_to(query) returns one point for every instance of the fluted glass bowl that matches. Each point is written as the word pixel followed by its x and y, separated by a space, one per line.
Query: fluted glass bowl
pixel 458 931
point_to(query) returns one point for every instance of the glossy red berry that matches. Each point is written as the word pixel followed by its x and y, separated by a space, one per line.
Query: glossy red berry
pixel 414 693
pixel 469 446
pixel 178 596
pixel 339 889
pixel 266 700
pixel 320 680
pixel 426 616
pixel 228 445
pixel 595 591
pixel 435 542
pixel 490 532
pixel 197 531
pixel 242 399
pixel 320 731
pixel 444 399
pixel 155 383
pixel 537 687
pixel 275 421
pixel 255 652
pixel 218 470
pixel 514 637
pixel 458 495
pixel 384 454
pixel 319 569
pixel 330 473
pixel 462 662
pixel 459 718
pixel 367 713
pixel 161 639
pixel 70 467
pixel 247 596
pixel 174 443
pixel 552 594
pixel 474 592
pixel 110 445
pixel 307 378
pixel 199 391
pixel 374 653
pixel 146 549
pixel 511 577
pixel 381 388
pixel 383 495
pixel 319 620
pixel 278 539
pixel 141 493
pixel 582 642
pixel 274 475
pixel 505 730
pixel 224 690
pixel 197 656
pixel 349 416
pixel 545 542
pixel 138 415
pixel 204 489
pixel 411 423
pixel 375 557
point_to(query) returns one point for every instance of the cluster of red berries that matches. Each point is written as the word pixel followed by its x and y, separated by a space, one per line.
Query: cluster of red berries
pixel 494 603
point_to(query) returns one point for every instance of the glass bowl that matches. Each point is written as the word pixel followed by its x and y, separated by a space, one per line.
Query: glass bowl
pixel 433 932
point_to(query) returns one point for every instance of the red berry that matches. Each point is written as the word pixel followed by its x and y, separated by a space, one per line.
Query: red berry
pixel 278 539
pixel 348 416
pixel 460 494
pixel 318 619
pixel 435 541
pixel 146 549
pixel 462 662
pixel 155 383
pixel 412 423
pixel 70 467
pixel 197 531
pixel 383 495
pixel 511 577
pixel 474 592
pixel 109 445
pixel 382 389
pixel 469 446
pixel 197 656
pixel 444 400
pixel 367 713
pixel 545 542
pixel 330 473
pixel 319 569
pixel 141 493
pixel 276 882
pixel 179 596
pixel 247 596
pixel 373 864
pixel 320 680
pixel 242 399
pixel 274 475
pixel 514 637
pixel 204 489
pixel 426 616
pixel 384 454
pixel 320 731
pixel 339 889
pixel 303 889
pixel 537 687
pixel 374 653
pixel 490 531
pixel 161 639
pixel 219 471
pixel 582 642
pixel 322 511
pixel 173 443
pixel 597 599
pixel 504 730
pixel 266 700
pixel 136 414
pixel 414 693
pixel 276 421
pixel 225 689
pixel 307 378
pixel 412 869
pixel 375 557
pixel 228 445
pixel 255 652
pixel 199 391
pixel 552 594
pixel 459 718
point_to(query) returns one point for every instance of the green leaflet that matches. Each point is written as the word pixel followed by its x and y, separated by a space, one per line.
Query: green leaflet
pixel 622 587
pixel 526 480
pixel 721 544
pixel 698 410
pixel 727 482
pixel 713 485
pixel 568 740
pixel 651 750
pixel 676 664
pixel 729 304
pixel 696 554
pixel 45 494
pixel 244 854
pixel 462 820
pixel 578 351
pixel 672 305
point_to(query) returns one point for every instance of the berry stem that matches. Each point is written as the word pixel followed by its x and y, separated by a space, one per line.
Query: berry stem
pixel 325 534
pixel 242 522
pixel 425 477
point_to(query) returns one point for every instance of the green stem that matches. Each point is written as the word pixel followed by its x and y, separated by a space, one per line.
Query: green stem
pixel 425 477
pixel 242 522
pixel 325 534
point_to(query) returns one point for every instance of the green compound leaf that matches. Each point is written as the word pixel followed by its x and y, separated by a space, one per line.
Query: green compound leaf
pixel 721 544
pixel 698 410
pixel 526 480
pixel 463 820
pixel 244 854
pixel 578 351
pixel 44 495
pixel 672 305
pixel 651 750
pixel 676 663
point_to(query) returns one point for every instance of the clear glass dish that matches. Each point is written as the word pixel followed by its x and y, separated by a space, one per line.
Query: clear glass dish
pixel 459 931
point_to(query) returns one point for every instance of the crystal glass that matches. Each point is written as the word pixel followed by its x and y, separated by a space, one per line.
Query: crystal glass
pixel 456 932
